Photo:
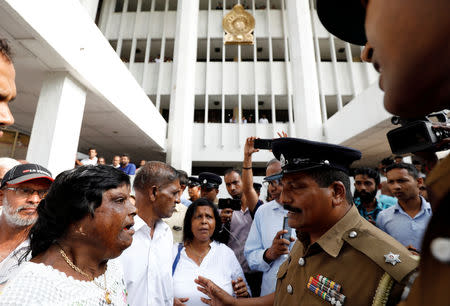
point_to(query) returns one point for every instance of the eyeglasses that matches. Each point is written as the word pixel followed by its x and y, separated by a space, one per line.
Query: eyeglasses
pixel 273 183
pixel 26 192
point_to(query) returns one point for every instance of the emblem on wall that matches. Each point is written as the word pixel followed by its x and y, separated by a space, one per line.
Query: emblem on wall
pixel 238 25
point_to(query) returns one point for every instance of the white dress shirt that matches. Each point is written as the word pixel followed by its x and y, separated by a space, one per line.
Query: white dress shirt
pixel 88 161
pixel 147 265
pixel 220 265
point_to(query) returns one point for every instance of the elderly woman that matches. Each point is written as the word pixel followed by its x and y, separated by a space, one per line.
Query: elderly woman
pixel 202 254
pixel 84 222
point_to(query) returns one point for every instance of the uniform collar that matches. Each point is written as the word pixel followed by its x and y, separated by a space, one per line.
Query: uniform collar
pixel 331 242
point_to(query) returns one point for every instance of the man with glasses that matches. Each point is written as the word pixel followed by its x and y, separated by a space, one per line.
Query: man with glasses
pixel 265 249
pixel 22 189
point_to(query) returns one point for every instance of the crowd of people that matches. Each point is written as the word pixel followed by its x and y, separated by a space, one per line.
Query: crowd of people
pixel 91 237
pixel 121 162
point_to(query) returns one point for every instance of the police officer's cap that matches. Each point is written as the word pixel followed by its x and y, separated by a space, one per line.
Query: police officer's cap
pixel 209 180
pixel 344 19
pixel 297 155
pixel 193 181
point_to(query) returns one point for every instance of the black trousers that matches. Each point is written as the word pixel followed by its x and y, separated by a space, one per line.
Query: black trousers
pixel 254 280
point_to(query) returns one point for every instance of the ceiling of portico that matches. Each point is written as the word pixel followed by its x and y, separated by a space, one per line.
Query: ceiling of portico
pixel 103 126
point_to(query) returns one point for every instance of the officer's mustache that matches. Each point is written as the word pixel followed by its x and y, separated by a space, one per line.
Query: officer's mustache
pixel 292 209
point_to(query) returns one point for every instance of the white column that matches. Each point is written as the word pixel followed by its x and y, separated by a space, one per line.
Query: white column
pixel 181 115
pixel 91 7
pixel 307 116
pixel 57 123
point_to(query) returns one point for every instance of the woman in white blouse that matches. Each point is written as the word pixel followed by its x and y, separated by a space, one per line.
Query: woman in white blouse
pixel 83 223
pixel 201 254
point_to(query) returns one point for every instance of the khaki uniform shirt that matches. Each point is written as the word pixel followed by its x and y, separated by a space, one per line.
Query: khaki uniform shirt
pixel 351 254
pixel 431 286
pixel 176 222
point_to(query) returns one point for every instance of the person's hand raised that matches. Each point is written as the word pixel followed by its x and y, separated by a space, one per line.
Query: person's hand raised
pixel 249 147
pixel 218 297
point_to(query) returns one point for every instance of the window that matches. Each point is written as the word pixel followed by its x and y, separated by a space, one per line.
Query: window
pixel 278 51
pixel 132 6
pixel 119 6
pixel 139 56
pixel 146 5
pixel 125 51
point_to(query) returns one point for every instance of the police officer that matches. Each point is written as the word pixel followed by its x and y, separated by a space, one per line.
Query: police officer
pixel 193 188
pixel 210 183
pixel 339 257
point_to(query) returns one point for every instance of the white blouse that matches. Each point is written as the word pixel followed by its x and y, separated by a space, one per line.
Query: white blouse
pixel 220 265
pixel 39 284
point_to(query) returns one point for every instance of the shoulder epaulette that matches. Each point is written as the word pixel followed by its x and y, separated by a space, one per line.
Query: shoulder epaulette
pixel 384 250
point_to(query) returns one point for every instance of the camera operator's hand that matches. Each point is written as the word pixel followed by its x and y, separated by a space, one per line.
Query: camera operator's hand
pixel 430 159
pixel 249 148
pixel 445 127
pixel 283 134
pixel 225 215
pixel 279 246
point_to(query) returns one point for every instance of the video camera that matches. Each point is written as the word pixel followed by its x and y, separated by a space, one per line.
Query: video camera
pixel 418 134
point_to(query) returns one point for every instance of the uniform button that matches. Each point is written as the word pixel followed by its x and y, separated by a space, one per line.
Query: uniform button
pixel 289 289
pixel 353 234
pixel 301 261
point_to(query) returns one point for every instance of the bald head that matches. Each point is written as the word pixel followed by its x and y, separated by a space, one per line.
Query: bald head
pixel 154 173
pixel 7 164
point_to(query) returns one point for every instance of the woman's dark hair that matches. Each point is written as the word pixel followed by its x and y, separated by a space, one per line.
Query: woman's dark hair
pixel 73 195
pixel 188 236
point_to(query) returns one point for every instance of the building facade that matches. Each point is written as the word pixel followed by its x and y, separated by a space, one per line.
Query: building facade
pixel 296 75
pixel 154 78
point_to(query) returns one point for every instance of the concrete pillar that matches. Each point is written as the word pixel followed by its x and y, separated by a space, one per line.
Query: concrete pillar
pixel 57 123
pixel 306 102
pixel 91 7
pixel 181 113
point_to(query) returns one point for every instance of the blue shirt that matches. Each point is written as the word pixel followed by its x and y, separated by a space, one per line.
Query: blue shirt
pixel 129 169
pixel 368 215
pixel 185 202
pixel 408 231
pixel 268 221
pixel 387 201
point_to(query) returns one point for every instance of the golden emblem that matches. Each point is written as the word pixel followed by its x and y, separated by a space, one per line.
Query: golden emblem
pixel 238 25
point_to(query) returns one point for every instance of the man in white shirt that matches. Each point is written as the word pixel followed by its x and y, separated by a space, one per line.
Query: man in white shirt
pixel 22 189
pixel 263 119
pixel 147 263
pixel 91 160
pixel 116 161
